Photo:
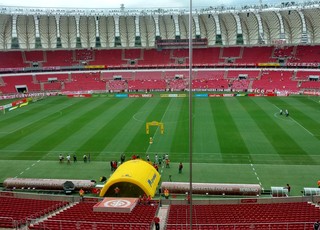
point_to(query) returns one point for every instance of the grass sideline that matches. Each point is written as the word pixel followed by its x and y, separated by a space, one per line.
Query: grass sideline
pixel 235 140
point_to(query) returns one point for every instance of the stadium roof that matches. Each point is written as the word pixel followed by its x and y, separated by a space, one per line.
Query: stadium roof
pixel 21 10
pixel 31 28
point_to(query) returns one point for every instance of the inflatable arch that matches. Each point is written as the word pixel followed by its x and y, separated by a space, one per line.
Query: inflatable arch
pixel 154 123
pixel 133 178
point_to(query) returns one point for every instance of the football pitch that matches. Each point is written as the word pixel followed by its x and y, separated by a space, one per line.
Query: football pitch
pixel 234 139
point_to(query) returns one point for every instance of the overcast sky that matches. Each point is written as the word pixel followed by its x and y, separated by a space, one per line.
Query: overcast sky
pixel 130 3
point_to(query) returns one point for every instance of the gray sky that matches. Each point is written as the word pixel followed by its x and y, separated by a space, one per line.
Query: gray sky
pixel 129 3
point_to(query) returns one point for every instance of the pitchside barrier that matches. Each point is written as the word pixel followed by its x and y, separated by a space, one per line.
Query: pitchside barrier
pixel 212 188
pixel 45 184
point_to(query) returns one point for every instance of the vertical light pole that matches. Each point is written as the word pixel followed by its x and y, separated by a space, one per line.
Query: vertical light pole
pixel 190 110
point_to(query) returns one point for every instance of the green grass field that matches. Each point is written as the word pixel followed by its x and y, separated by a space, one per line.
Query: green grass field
pixel 235 140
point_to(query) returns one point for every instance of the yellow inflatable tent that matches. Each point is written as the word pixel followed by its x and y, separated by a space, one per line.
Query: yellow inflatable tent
pixel 133 178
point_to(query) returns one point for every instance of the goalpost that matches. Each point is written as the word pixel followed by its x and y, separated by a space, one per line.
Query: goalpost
pixel 154 123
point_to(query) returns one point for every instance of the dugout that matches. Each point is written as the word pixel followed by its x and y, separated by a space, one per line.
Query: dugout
pixel 279 192
pixel 134 178
pixel 311 191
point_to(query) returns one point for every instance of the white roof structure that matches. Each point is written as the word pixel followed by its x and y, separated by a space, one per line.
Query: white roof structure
pixel 50 28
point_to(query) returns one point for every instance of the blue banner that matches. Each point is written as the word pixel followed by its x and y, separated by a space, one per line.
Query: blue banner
pixel 121 95
pixel 201 95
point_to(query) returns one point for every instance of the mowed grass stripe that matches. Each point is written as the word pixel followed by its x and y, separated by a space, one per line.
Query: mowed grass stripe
pixel 233 147
pixel 262 113
pixel 172 120
pixel 105 134
pixel 307 117
pixel 102 115
pixel 254 138
pixel 154 111
pixel 38 143
pixel 73 123
pixel 310 103
pixel 132 138
pixel 23 113
pixel 180 142
pixel 206 146
pixel 22 117
pixel 302 136
pixel 28 135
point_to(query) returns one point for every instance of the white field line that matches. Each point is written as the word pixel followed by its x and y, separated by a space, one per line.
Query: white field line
pixel 298 123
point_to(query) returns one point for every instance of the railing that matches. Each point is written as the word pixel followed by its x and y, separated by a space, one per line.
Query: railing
pixel 236 226
pixel 63 224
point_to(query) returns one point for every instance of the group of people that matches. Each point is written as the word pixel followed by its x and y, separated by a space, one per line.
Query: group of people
pixel 146 200
pixel 86 158
pixel 159 160
pixel 165 159
pixel 114 163
pixel 284 112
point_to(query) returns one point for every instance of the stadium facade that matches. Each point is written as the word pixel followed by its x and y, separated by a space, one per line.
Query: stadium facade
pixel 66 28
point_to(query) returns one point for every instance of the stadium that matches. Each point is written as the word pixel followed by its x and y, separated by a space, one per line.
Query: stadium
pixel 205 118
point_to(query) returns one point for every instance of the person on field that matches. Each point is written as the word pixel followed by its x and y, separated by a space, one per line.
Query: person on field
pixel 111 166
pixel 167 163
pixel 61 158
pixel 288 187
pixel 74 158
pixel 180 167
pixel 114 165
pixel 156 159
pixel 68 158
pixel 122 158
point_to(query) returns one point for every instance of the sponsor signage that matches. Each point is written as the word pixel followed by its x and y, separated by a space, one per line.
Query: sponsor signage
pixel 173 95
pixel 95 67
pixel 15 103
pixel 121 95
pixel 79 95
pixel 215 95
pixel 140 95
pixel 311 93
pixel 151 180
pixel 201 95
pixel 228 95
pixel 269 64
